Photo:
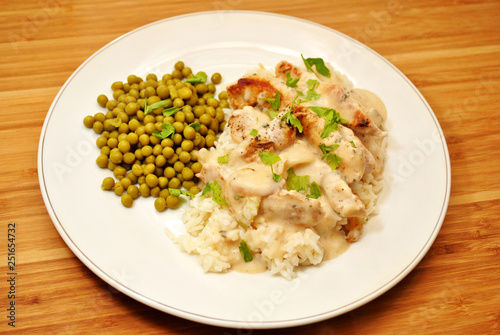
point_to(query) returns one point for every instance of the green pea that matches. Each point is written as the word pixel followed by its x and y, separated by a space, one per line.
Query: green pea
pixel 108 183
pixel 133 191
pixel 187 173
pixel 174 183
pixel 196 167
pixel 195 190
pixel 172 201
pixel 102 100
pixel 151 180
pixel 187 145
pixel 184 157
pixel 144 190
pixel 118 188
pixel 160 204
pixel 216 78
pixel 127 200
pixel 88 121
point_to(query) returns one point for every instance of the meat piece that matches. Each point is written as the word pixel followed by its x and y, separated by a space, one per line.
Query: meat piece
pixel 349 109
pixel 356 159
pixel 254 179
pixel 340 196
pixel 353 229
pixel 293 208
pixel 283 67
pixel 251 91
pixel 242 121
pixel 271 136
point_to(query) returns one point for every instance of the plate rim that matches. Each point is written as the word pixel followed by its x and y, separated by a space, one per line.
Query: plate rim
pixel 221 322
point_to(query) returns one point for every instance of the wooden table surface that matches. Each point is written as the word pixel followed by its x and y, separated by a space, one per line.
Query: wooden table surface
pixel 449 49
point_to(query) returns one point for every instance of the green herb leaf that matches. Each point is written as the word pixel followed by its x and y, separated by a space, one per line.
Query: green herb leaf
pixel 276 101
pixel 196 126
pixel 292 119
pixel 272 114
pixel 223 159
pixel 216 193
pixel 291 82
pixel 170 111
pixel 325 149
pixel 167 131
pixel 333 160
pixel 269 158
pixel 320 111
pixel 318 63
pixel 208 188
pixel 177 192
pixel 353 144
pixel 159 104
pixel 200 77
pixel 297 183
pixel 312 95
pixel 315 191
pixel 332 119
pixel 254 132
pixel 276 177
pixel 312 84
pixel 245 251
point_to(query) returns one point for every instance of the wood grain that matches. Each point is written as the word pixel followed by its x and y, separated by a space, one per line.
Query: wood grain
pixel 449 49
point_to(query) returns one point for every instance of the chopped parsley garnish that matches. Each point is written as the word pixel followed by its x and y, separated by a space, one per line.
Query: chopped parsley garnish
pixel 254 132
pixel 353 144
pixel 315 191
pixel 291 82
pixel 223 159
pixel 332 119
pixel 160 104
pixel 167 131
pixel 297 183
pixel 199 78
pixel 325 149
pixel 169 111
pixel 272 114
pixel 301 183
pixel 332 159
pixel 177 192
pixel 311 93
pixel 269 159
pixel 318 63
pixel 275 102
pixel 291 119
pixel 245 251
pixel 196 126
pixel 216 193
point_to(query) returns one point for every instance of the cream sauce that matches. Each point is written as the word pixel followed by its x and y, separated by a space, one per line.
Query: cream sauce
pixel 334 244
pixel 286 212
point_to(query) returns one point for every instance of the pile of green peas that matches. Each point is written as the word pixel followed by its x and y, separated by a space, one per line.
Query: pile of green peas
pixel 143 163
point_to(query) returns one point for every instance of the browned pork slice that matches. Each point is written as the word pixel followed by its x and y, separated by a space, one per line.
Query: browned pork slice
pixel 356 160
pixel 284 67
pixel 336 97
pixel 353 229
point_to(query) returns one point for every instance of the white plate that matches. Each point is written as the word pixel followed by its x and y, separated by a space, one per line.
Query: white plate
pixel 128 248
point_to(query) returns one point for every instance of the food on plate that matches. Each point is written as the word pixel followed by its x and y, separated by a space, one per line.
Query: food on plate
pixel 152 131
pixel 294 175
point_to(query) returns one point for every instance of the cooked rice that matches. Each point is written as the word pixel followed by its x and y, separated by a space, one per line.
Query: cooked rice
pixel 282 250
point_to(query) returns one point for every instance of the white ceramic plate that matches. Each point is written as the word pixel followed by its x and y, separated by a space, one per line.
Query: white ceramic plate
pixel 128 248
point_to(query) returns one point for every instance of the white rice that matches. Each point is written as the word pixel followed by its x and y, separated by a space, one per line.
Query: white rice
pixel 282 250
